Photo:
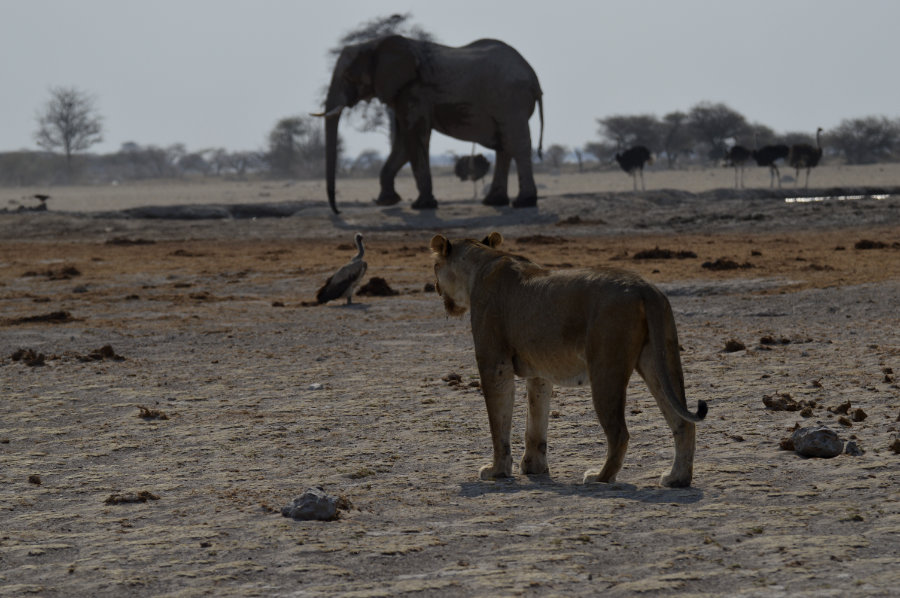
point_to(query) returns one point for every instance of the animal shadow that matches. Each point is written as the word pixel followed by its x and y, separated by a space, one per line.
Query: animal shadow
pixel 615 490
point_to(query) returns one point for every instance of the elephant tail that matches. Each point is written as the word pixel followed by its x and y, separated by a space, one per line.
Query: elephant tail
pixel 540 101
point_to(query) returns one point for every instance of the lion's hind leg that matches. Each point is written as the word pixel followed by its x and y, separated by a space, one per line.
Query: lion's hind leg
pixel 534 461
pixel 683 431
pixel 608 390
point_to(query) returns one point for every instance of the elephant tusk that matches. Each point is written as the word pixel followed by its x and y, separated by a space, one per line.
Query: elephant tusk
pixel 333 112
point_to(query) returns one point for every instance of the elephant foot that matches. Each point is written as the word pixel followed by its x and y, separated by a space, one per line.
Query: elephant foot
pixel 425 203
pixel 525 202
pixel 387 198
pixel 496 199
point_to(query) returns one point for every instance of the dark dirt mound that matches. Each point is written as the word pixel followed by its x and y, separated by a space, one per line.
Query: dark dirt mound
pixel 869 244
pixel 663 254
pixel 64 273
pixel 376 287
pixel 541 240
pixel 130 497
pixel 56 317
pixel 726 264
pixel 29 357
pixel 125 241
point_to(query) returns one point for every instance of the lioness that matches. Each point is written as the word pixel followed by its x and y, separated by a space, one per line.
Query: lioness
pixel 567 328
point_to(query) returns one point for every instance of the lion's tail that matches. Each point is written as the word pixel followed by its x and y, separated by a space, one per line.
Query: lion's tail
pixel 663 340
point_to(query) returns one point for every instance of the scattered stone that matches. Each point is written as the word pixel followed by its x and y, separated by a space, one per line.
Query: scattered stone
pixel 663 254
pixel 770 340
pixel 852 449
pixel 376 287
pixel 817 441
pixel 895 444
pixel 130 497
pixel 29 357
pixel 430 288
pixel 34 479
pixel 858 415
pixel 725 264
pixel 784 402
pixel 452 379
pixel 104 352
pixel 315 504
pixel 315 386
pixel 733 346
pixel 277 304
pixel 786 444
pixel 845 421
pixel 842 409
pixel 146 413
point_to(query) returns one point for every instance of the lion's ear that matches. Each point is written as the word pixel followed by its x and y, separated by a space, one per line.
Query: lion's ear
pixel 440 245
pixel 493 240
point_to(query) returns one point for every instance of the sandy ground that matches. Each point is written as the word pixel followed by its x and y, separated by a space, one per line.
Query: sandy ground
pixel 264 397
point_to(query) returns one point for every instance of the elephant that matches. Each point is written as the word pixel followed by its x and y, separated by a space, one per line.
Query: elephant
pixel 484 92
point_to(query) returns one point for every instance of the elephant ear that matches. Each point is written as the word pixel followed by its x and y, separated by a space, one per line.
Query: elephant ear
pixel 395 67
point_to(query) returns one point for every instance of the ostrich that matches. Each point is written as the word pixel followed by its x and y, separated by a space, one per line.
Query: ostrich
pixel 344 281
pixel 767 155
pixel 737 156
pixel 41 197
pixel 632 161
pixel 803 155
pixel 472 168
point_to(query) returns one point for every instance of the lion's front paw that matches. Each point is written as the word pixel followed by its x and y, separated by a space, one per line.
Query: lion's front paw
pixel 593 476
pixel 489 472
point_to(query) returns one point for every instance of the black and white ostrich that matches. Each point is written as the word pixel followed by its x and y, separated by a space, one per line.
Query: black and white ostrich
pixel 472 168
pixel 342 283
pixel 737 156
pixel 767 155
pixel 633 160
pixel 803 155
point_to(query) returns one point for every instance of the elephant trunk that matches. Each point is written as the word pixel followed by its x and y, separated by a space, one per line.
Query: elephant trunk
pixel 331 143
pixel 335 103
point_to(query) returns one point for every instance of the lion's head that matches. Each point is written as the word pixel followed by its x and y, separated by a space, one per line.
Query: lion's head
pixel 451 281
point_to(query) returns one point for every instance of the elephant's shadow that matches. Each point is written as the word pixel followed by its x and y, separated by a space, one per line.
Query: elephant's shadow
pixel 450 215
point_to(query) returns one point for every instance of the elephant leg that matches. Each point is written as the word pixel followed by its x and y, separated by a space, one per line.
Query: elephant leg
pixel 419 143
pixel 520 141
pixel 497 195
pixel 395 161
pixel 412 130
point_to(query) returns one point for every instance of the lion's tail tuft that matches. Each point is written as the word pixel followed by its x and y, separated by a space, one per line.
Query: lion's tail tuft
pixel 702 409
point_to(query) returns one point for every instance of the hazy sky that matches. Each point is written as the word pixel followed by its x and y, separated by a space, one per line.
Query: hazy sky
pixel 220 73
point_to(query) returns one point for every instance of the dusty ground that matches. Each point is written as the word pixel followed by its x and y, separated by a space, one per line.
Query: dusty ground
pixel 264 397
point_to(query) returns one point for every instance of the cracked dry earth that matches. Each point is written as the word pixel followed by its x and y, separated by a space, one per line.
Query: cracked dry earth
pixel 263 397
